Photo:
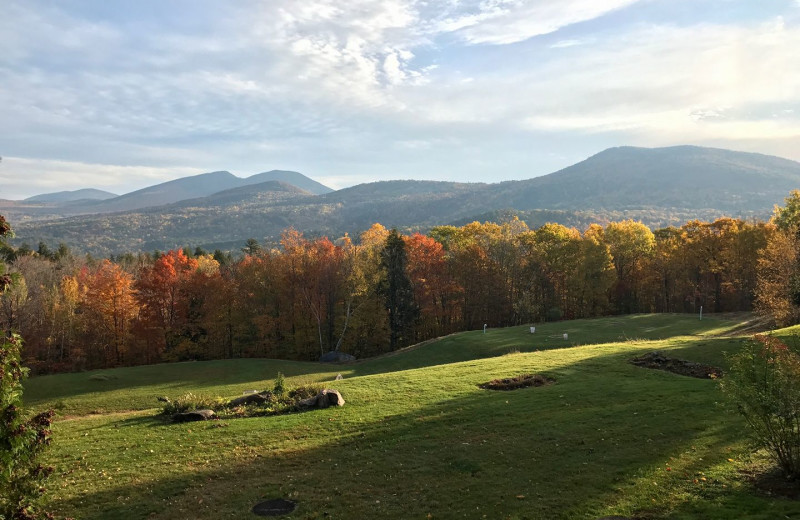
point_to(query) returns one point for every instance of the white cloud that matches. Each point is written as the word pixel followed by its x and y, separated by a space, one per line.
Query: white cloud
pixel 22 177
pixel 504 22
pixel 563 44
pixel 330 87
pixel 656 80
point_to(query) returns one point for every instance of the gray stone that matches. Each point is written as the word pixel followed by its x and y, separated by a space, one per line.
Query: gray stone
pixel 194 415
pixel 324 399
pixel 260 398
pixel 334 356
pixel 339 377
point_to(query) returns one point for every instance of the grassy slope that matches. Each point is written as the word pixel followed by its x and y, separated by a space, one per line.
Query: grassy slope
pixel 418 437
pixel 136 388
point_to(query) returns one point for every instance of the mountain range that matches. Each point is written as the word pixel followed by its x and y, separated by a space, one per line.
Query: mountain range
pixel 659 186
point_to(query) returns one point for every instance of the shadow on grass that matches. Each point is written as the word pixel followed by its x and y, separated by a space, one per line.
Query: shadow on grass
pixel 151 421
pixel 581 448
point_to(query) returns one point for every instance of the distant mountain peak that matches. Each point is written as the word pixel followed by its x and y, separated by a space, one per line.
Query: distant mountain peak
pixel 685 176
pixel 198 187
pixel 72 196
pixel 289 177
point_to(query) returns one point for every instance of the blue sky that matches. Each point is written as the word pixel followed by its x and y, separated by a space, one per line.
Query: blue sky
pixel 121 95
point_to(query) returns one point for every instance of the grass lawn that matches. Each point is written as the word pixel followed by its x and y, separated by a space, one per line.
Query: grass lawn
pixel 417 437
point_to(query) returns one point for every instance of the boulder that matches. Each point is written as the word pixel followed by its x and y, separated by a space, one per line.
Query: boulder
pixel 323 399
pixel 259 398
pixel 194 415
pixel 334 356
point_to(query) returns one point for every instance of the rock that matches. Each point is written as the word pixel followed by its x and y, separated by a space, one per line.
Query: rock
pixel 259 398
pixel 194 415
pixel 334 356
pixel 323 399
pixel 339 377
pixel 332 397
pixel 163 399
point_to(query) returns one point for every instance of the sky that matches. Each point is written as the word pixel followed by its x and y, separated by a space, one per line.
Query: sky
pixel 123 95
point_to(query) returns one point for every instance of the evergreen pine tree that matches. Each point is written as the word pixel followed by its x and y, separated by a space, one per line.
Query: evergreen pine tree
pixel 396 289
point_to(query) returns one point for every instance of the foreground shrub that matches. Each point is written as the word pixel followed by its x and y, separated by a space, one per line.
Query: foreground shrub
pixel 21 440
pixel 279 388
pixel 282 399
pixel 764 384
pixel 190 402
pixel 304 391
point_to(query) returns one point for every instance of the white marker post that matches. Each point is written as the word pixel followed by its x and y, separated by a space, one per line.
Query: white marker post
pixel 484 328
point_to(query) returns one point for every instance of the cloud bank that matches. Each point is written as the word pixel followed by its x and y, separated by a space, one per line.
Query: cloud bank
pixel 117 97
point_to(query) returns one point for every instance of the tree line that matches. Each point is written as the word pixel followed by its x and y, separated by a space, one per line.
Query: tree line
pixel 386 290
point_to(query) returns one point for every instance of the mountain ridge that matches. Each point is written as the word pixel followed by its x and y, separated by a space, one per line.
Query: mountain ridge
pixel 72 196
pixel 678 176
pixel 176 190
pixel 660 187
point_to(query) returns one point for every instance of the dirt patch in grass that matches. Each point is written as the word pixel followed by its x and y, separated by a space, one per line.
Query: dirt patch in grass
pixel 658 361
pixel 520 381
pixel 768 479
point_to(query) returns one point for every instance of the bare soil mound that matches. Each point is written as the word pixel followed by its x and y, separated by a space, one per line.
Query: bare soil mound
pixel 520 381
pixel 658 361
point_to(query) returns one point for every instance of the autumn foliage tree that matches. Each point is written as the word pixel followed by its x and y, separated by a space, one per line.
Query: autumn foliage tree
pixel 108 308
pixel 435 291
pixel 164 311
pixel 778 288
pixel 318 277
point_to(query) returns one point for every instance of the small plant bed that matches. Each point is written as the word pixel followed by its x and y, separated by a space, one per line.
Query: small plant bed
pixel 658 361
pixel 279 400
pixel 520 381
